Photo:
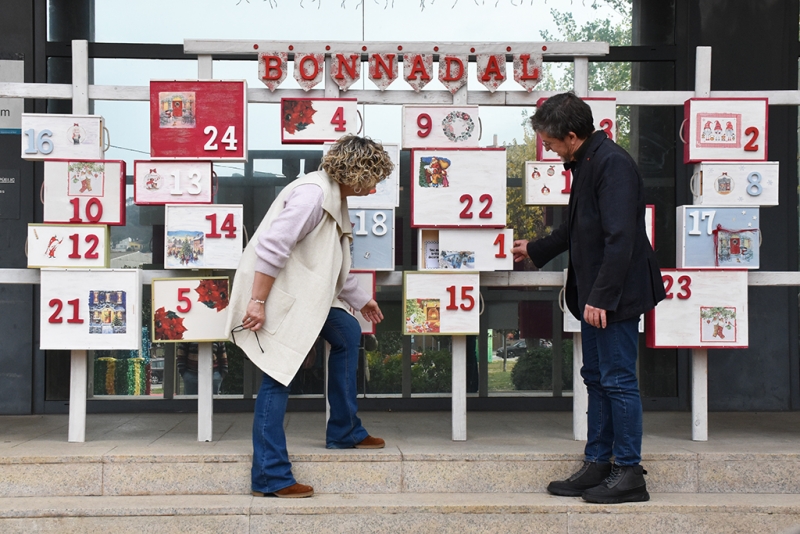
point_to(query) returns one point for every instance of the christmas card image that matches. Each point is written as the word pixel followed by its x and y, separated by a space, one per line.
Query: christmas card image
pixel 86 178
pixel 719 130
pixel 423 316
pixel 176 110
pixel 457 259
pixel 107 312
pixel 718 324
pixel 433 171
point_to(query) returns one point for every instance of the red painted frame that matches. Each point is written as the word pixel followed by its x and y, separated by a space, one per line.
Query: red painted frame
pixel 686 126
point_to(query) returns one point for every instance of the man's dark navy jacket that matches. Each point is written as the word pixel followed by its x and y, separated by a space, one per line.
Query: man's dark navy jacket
pixel 611 263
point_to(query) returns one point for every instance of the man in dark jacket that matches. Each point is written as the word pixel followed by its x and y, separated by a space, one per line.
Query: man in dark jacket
pixel 613 278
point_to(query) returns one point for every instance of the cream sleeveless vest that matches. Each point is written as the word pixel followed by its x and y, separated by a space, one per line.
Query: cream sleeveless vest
pixel 303 292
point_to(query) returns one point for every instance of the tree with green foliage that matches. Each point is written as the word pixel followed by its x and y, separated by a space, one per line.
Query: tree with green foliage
pixel 603 76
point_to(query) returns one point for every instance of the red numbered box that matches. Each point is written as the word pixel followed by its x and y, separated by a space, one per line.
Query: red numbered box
pixel 725 129
pixel 90 309
pixel 84 192
pixel 203 236
pixel 318 120
pixel 366 281
pixel 198 120
pixel 441 303
pixel 473 249
pixel 604 113
pixel 703 309
pixel 546 183
pixel 441 126
pixel 190 309
pixel 172 182
pixel 46 136
pixel 68 245
pixel 458 188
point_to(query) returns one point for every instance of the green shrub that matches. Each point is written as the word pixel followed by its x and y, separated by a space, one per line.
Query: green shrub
pixel 534 369
pixel 385 373
pixel 433 372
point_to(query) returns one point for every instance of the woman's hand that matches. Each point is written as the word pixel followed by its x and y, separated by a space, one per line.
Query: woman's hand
pixel 372 312
pixel 255 316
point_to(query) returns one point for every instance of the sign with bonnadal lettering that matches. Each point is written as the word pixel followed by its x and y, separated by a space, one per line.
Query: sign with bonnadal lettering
pixel 198 120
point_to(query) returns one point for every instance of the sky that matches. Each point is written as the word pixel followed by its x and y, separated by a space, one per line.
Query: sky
pixel 170 21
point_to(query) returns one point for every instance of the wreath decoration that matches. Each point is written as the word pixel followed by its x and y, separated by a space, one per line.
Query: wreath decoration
pixel 460 120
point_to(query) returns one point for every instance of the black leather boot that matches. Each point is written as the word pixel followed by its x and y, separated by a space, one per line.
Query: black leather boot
pixel 624 484
pixel 588 476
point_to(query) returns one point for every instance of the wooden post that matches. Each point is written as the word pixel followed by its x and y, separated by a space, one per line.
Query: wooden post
pixel 700 394
pixel 459 373
pixel 580 395
pixel 80 78
pixel 205 393
pixel 77 396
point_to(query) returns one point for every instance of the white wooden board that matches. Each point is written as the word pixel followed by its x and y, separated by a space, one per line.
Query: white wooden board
pixel 458 188
pixel 546 183
pixel 703 309
pixel 373 239
pixel 203 236
pixel 474 249
pixel 441 303
pixel 717 237
pixel 90 309
pixel 441 126
pixel 752 183
pixel 172 182
pixel 84 192
pixel 317 120
pixel 725 129
pixel 50 136
pixel 68 245
pixel 190 309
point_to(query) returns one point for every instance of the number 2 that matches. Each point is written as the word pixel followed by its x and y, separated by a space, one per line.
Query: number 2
pixel 751 145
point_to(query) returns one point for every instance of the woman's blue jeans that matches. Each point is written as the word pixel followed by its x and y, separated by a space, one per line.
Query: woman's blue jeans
pixel 615 408
pixel 272 470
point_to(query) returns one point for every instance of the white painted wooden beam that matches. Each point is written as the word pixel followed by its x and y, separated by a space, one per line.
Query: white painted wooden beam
pixel 459 395
pixel 580 395
pixel 205 392
pixel 205 67
pixel 78 369
pixel 700 394
pixel 244 46
pixel 581 78
pixel 80 77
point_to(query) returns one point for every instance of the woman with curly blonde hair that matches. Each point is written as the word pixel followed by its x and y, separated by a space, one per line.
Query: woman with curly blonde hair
pixel 292 285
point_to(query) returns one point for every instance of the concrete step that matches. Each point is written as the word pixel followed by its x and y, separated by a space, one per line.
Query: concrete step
pixel 457 513
pixel 384 471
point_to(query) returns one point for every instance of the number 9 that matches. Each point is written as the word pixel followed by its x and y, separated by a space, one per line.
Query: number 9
pixel 424 122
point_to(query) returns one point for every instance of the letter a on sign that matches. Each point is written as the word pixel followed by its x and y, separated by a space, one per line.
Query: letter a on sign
pixel 453 72
pixel 417 70
pixel 272 68
pixel 491 70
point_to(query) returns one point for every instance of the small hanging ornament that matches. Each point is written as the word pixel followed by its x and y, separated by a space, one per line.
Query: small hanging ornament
pixel 308 69
pixel 417 70
pixel 453 72
pixel 345 69
pixel 491 70
pixel 272 67
pixel 527 70
pixel 383 69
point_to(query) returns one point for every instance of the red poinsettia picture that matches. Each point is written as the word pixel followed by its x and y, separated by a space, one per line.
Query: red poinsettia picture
pixel 213 293
pixel 168 325
pixel 297 115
